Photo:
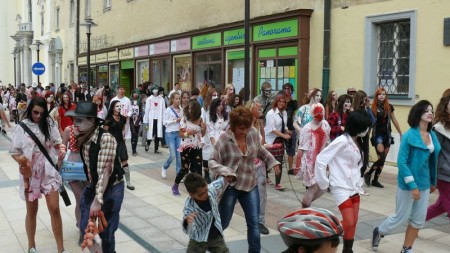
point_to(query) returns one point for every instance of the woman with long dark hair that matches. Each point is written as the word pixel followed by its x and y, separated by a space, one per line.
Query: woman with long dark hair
pixel 37 175
pixel 330 103
pixel 115 124
pixel 65 106
pixel 338 118
pixel 382 134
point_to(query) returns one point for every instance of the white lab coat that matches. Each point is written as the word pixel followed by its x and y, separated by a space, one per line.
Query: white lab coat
pixel 154 109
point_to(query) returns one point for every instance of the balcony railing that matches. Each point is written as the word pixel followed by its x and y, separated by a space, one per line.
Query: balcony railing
pixel 25 27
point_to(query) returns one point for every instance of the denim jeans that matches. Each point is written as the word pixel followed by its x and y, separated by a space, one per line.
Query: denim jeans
pixel 262 190
pixel 173 141
pixel 112 202
pixel 250 204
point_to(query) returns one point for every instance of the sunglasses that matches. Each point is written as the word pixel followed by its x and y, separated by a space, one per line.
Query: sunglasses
pixel 36 113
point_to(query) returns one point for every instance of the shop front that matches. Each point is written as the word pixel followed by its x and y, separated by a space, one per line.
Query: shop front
pixel 114 70
pixel 208 64
pixel 160 64
pixel 127 70
pixel 182 62
pixel 102 69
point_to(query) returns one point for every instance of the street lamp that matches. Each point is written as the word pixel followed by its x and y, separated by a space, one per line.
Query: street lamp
pixel 89 24
pixel 38 44
pixel 14 55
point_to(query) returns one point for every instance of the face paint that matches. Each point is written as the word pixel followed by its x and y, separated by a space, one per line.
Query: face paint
pixel 214 97
pixel 155 92
pixel 318 97
pixel 117 107
pixel 318 113
pixel 362 134
pixel 82 124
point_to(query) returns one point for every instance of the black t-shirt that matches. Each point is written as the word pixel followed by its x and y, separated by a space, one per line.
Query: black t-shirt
pixel 383 124
pixel 206 206
pixel 115 127
pixel 291 107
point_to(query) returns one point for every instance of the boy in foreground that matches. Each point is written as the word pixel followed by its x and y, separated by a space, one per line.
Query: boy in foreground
pixel 201 219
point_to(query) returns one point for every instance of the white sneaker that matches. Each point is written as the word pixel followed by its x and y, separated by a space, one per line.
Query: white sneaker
pixel 163 172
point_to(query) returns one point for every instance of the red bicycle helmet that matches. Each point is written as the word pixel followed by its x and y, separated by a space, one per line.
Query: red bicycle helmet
pixel 309 226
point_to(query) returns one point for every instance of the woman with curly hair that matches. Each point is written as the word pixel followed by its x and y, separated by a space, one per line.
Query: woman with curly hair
pixel 381 134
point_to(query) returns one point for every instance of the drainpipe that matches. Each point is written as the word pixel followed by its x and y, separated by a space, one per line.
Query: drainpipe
pixel 326 49
pixel 77 33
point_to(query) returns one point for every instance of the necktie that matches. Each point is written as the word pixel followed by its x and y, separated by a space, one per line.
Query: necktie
pixel 282 123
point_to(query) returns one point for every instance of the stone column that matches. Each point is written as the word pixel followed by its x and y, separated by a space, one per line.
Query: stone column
pixel 27 61
pixel 58 69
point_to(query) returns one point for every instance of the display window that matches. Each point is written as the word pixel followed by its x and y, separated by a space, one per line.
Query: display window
pixel 182 71
pixel 161 73
pixel 114 76
pixel 102 75
pixel 142 71
pixel 236 68
pixel 208 69
pixel 277 66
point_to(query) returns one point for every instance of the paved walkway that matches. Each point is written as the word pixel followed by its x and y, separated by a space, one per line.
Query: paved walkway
pixel 151 215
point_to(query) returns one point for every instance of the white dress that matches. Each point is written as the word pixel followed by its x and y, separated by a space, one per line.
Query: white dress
pixel 45 178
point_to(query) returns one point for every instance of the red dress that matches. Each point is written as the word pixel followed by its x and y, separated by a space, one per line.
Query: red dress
pixel 65 120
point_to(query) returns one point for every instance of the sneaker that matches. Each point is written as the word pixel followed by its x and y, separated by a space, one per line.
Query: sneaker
pixel 263 229
pixel 279 187
pixel 175 190
pixel 291 172
pixel 3 131
pixel 130 187
pixel 376 238
pixel 134 154
pixel 406 250
pixel 163 172
pixel 32 250
pixel 377 184
pixel 146 147
pixel 367 177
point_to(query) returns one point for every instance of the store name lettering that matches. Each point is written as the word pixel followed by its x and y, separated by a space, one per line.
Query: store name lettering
pixel 125 53
pixel 273 31
pixel 231 38
pixel 206 41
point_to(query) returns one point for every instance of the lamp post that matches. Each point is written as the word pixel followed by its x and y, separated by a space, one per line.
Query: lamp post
pixel 38 44
pixel 247 50
pixel 89 24
pixel 14 55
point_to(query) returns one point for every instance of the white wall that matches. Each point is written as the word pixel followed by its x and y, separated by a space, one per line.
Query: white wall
pixel 8 27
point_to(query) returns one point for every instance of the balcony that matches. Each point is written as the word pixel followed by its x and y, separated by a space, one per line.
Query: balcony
pixel 25 27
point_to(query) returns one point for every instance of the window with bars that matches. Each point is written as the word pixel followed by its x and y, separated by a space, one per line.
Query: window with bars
pixel 393 57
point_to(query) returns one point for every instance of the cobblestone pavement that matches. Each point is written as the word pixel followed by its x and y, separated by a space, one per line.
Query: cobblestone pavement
pixel 151 216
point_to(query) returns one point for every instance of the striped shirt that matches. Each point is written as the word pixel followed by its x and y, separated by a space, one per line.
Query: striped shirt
pixel 106 154
pixel 199 229
pixel 227 159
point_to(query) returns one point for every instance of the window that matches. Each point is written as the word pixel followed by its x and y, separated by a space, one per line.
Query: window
pixel 30 11
pixel 390 55
pixel 107 4
pixel 393 57
pixel 72 12
pixel 57 19
pixel 87 8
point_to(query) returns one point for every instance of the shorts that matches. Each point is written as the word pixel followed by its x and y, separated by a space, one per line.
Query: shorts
pixel 384 139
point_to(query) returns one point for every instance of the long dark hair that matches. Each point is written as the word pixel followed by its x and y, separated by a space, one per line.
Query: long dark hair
pixel 195 112
pixel 44 124
pixel 213 110
pixel 111 109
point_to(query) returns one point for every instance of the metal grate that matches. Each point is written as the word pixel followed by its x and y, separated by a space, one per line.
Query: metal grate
pixel 393 57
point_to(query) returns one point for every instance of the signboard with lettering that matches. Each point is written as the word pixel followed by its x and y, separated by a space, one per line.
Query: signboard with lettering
pixel 127 53
pixel 141 51
pixel 207 41
pixel 233 37
pixel 276 30
pixel 113 56
pixel 101 58
pixel 160 48
pixel 180 45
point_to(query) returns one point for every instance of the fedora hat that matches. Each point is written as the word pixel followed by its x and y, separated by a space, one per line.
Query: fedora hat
pixel 84 109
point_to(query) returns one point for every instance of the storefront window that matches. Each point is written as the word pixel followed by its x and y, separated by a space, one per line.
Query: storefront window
pixel 102 75
pixel 114 76
pixel 161 73
pixel 182 71
pixel 279 67
pixel 208 69
pixel 236 69
pixel 142 72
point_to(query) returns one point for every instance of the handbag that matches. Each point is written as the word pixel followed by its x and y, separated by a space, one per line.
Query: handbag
pixel 72 171
pixel 62 189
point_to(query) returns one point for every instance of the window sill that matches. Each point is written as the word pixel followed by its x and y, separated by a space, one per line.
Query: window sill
pixel 105 9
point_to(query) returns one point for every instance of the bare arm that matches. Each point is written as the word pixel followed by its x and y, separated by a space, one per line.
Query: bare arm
pixel 395 122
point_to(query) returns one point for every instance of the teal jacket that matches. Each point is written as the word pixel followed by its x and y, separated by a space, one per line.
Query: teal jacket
pixel 417 168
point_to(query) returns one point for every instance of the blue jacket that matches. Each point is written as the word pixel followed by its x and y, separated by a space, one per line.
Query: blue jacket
pixel 417 168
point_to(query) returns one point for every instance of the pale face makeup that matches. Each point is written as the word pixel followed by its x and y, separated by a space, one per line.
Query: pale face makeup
pixel 82 124
pixel 318 97
pixel 36 114
pixel 117 107
pixel 347 105
pixel 427 116
pixel 214 96
pixel 382 96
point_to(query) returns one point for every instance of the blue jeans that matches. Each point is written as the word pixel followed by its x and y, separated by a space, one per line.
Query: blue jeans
pixel 173 140
pixel 250 204
pixel 112 202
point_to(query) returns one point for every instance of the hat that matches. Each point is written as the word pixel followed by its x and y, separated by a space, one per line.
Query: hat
pixel 351 89
pixel 84 109
pixel 34 85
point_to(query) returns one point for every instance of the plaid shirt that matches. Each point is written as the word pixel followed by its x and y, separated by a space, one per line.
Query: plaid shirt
pixel 227 159
pixel 106 154
pixel 335 122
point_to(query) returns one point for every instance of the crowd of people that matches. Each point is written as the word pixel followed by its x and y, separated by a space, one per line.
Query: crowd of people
pixel 224 151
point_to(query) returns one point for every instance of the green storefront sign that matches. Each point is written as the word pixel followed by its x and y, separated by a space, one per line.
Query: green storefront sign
pixel 277 30
pixel 207 41
pixel 233 37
